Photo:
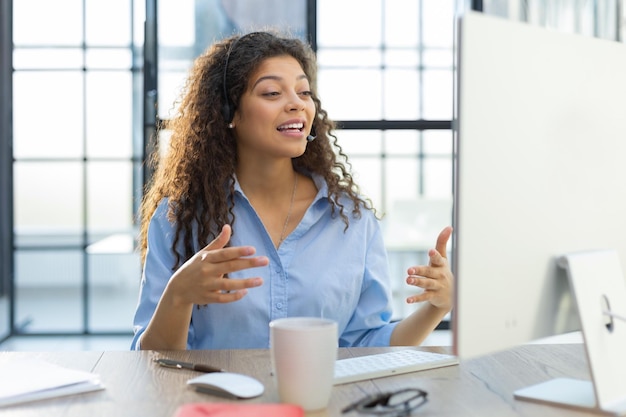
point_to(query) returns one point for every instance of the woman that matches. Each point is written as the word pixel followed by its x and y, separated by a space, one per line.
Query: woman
pixel 250 217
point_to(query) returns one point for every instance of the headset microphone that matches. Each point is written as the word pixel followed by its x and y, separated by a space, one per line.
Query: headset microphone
pixel 312 135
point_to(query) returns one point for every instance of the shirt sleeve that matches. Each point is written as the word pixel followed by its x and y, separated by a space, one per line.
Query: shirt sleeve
pixel 157 270
pixel 370 325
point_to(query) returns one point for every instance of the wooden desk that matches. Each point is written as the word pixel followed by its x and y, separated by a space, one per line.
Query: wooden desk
pixel 135 386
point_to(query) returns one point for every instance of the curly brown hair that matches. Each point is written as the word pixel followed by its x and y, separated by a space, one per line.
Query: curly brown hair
pixel 196 174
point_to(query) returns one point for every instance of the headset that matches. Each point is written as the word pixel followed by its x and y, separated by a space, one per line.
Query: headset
pixel 228 108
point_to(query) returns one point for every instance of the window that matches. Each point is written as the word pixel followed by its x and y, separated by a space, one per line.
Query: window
pixel 386 75
pixel 77 163
pixel 387 78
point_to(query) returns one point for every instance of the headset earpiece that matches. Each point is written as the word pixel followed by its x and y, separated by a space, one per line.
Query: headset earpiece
pixel 227 112
pixel 228 108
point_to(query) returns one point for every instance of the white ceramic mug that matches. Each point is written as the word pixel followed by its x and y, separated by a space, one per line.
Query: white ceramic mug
pixel 304 350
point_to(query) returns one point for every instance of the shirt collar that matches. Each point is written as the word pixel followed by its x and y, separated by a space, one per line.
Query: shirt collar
pixel 320 183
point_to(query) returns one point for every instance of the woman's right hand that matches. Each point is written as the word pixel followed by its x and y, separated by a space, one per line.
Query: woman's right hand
pixel 202 279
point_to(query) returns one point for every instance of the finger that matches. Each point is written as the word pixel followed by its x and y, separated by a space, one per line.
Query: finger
pixel 435 258
pixel 231 265
pixel 225 297
pixel 238 284
pixel 226 254
pixel 432 297
pixel 221 240
pixel 442 241
pixel 432 271
pixel 228 290
pixel 425 296
pixel 423 282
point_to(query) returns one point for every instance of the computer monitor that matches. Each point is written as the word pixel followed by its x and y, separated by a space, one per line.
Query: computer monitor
pixel 540 171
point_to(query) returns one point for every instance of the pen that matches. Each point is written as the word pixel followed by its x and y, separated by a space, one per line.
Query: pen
pixel 171 363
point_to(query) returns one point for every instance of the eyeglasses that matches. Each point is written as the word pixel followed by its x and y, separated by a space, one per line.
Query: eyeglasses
pixel 392 404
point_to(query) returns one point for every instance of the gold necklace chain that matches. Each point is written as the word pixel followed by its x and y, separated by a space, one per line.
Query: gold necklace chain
pixel 293 195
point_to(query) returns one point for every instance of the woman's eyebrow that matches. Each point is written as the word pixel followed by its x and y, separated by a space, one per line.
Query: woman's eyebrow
pixel 277 78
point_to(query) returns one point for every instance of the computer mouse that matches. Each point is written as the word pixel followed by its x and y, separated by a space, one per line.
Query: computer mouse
pixel 228 384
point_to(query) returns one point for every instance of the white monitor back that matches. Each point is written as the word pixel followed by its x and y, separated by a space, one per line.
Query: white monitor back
pixel 540 151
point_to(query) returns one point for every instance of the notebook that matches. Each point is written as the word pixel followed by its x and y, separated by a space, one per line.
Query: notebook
pixel 25 380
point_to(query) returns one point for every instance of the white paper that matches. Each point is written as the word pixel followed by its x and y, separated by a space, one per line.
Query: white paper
pixel 24 380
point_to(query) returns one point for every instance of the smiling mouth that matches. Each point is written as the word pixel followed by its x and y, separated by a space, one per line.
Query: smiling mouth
pixel 293 127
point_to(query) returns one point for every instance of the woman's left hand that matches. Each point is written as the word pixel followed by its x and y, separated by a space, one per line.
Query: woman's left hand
pixel 436 278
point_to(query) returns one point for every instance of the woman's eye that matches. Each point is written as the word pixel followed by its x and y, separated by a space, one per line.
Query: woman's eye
pixel 271 94
pixel 306 93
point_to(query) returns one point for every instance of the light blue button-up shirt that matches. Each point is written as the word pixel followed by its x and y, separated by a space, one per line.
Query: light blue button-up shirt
pixel 320 270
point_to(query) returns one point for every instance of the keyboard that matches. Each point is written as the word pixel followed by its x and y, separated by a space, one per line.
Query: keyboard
pixel 390 363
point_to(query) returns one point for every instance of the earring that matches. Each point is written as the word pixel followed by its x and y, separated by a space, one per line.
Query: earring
pixel 230 125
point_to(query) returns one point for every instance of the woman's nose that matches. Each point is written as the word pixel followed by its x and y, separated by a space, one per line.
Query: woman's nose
pixel 295 103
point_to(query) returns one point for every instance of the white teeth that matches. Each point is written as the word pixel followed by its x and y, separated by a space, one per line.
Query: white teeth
pixel 291 126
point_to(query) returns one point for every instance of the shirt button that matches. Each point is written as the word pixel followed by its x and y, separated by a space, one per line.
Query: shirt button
pixel 279 305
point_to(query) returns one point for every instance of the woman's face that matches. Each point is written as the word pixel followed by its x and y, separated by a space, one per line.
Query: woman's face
pixel 276 110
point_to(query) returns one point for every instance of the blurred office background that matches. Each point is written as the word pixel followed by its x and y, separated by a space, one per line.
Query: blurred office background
pixel 83 84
